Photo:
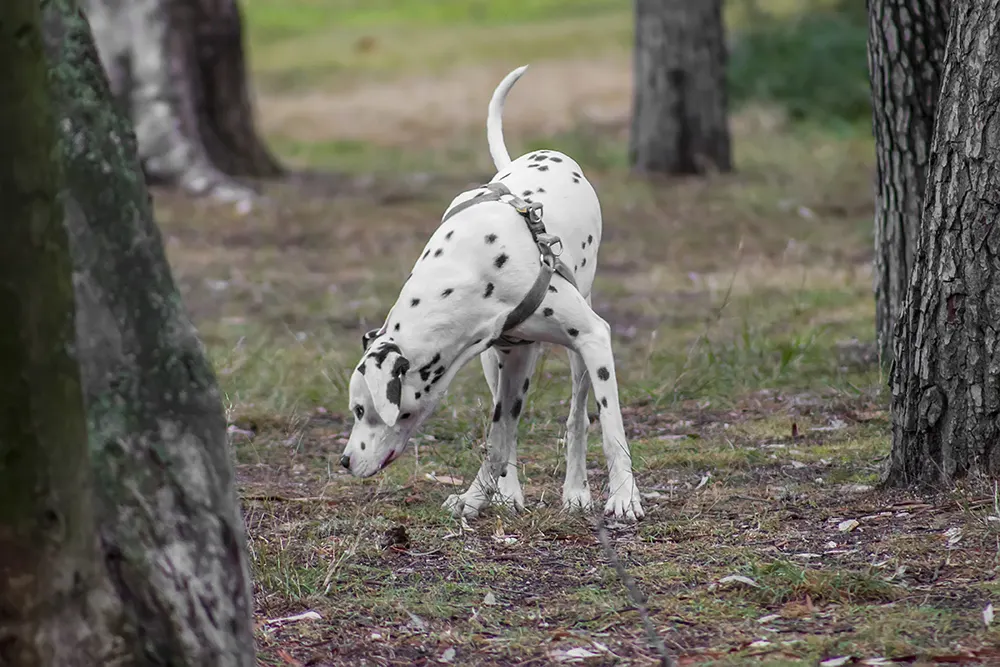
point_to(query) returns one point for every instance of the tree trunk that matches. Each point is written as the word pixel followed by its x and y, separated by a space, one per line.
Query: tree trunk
pixel 945 394
pixel 56 606
pixel 679 107
pixel 906 40
pixel 147 565
pixel 177 66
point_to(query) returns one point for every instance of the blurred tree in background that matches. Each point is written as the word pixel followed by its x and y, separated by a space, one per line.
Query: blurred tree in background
pixel 178 68
pixel 680 121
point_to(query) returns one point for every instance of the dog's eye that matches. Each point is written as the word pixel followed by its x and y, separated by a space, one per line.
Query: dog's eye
pixel 359 411
pixel 405 415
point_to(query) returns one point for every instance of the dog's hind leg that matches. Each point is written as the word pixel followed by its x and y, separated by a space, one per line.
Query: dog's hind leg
pixel 497 480
pixel 576 491
pixel 567 319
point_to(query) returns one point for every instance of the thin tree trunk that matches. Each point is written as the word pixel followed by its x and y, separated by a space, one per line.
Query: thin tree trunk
pixel 170 529
pixel 906 40
pixel 680 107
pixel 56 607
pixel 178 67
pixel 945 390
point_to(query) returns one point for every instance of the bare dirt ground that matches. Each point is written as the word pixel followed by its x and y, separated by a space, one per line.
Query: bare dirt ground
pixel 554 96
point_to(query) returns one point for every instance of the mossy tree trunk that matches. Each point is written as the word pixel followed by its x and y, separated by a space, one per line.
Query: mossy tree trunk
pixel 945 389
pixel 906 40
pixel 680 119
pixel 138 558
pixel 178 67
pixel 56 604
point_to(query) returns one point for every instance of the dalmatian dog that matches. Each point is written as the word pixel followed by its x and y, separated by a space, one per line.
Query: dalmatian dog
pixel 459 302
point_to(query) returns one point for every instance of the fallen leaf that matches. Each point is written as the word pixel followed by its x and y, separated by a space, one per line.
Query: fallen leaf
pixel 448 655
pixel 704 481
pixel 572 655
pixel 416 623
pixel 847 526
pixel 445 479
pixel 489 599
pixel 740 579
pixel 304 616
pixel 988 614
pixel 836 662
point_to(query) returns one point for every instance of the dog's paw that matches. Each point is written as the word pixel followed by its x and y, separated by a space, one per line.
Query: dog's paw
pixel 625 505
pixel 577 500
pixel 460 505
pixel 509 493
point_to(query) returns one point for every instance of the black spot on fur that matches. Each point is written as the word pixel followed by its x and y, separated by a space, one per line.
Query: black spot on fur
pixel 515 411
pixel 590 238
pixel 425 370
pixel 489 290
pixel 526 193
pixel 394 391
pixel 577 175
pixel 396 327
pixel 575 268
pixel 548 312
pixel 503 177
pixel 602 373
pixel 533 165
pixel 491 238
pixel 583 262
pixel 437 253
pixel 496 411
pixel 500 260
pixel 427 388
pixel 541 191
pixel 573 332
pixel 604 402
pixel 583 245
pixel 400 366
pixel 363 445
pixel 538 157
pixel 448 235
pixel 556 159
pixel 544 167
pixel 414 302
pixel 361 369
pixel 527 383
pixel 477 341
pixel 405 415
pixel 447 292
pixel 576 180
pixel 417 395
pixel 500 366
pixel 552 288
pixel 528 200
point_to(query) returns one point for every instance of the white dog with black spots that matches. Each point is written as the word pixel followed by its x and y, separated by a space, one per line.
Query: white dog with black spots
pixel 474 271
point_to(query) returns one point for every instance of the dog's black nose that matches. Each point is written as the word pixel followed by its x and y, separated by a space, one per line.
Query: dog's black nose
pixel 345 462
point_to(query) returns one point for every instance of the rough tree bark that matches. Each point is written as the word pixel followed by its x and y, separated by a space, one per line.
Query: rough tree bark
pixel 56 606
pixel 945 390
pixel 906 40
pixel 162 578
pixel 178 67
pixel 679 106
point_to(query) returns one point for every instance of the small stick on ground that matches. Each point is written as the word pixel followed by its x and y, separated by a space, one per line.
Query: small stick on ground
pixel 636 595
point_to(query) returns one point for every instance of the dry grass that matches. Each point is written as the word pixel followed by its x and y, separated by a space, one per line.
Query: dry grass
pixel 741 306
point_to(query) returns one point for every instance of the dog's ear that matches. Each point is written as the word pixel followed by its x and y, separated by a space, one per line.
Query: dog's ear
pixel 385 381
pixel 366 339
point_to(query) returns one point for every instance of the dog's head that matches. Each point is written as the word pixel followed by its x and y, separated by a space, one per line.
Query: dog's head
pixel 382 425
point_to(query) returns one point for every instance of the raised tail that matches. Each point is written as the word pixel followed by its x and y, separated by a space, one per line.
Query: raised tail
pixel 494 119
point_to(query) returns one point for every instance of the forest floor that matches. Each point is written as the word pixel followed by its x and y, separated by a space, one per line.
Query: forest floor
pixel 742 311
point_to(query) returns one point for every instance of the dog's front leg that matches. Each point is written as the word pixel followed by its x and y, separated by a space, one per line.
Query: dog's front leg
pixel 497 480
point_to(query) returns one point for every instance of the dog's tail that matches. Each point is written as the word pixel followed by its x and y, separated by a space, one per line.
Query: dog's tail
pixel 494 119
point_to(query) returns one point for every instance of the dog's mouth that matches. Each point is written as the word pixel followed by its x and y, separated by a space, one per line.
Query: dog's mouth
pixel 388 459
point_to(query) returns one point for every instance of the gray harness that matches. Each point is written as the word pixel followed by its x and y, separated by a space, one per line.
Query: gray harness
pixel 548 259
